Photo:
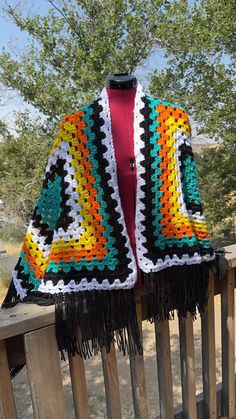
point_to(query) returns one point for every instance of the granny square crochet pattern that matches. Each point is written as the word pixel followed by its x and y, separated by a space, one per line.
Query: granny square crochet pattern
pixel 76 252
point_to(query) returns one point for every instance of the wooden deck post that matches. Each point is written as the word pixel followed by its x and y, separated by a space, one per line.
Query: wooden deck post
pixel 44 372
pixel 7 402
pixel 164 369
pixel 228 346
pixel 138 375
pixel 187 367
pixel 111 382
pixel 209 355
pixel 79 386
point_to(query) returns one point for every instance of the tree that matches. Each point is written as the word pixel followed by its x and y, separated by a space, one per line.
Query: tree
pixel 216 168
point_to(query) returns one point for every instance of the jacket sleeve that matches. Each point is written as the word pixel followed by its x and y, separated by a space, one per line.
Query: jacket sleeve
pixel 34 256
pixel 191 194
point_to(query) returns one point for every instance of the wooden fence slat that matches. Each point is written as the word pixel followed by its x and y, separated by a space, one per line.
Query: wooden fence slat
pixel 138 375
pixel 228 348
pixel 164 370
pixel 209 355
pixel 111 382
pixel 7 402
pixel 44 372
pixel 187 367
pixel 79 386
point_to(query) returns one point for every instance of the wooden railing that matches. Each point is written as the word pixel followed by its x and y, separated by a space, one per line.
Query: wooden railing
pixel 27 335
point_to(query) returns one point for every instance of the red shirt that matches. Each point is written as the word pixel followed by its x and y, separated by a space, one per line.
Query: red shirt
pixel 121 104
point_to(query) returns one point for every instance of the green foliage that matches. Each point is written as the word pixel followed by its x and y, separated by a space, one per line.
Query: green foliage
pixel 22 168
pixel 216 168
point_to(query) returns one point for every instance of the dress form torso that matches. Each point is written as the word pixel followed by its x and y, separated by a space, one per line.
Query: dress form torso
pixel 122 113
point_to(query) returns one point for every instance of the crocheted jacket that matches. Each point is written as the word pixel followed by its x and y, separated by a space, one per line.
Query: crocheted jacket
pixel 76 247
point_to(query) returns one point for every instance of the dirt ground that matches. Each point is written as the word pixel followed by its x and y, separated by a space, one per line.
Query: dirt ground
pixel 94 375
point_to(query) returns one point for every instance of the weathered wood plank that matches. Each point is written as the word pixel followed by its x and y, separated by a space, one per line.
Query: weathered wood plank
pixel 187 367
pixel 111 381
pixel 209 355
pixel 44 372
pixel 79 386
pixel 178 413
pixel 228 345
pixel 164 370
pixel 7 402
pixel 231 254
pixel 24 318
pixel 138 376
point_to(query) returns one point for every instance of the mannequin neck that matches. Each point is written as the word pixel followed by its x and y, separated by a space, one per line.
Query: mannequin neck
pixel 122 94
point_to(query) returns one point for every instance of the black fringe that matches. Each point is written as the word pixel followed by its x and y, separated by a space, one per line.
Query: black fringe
pixel 40 298
pixel 101 316
pixel 181 288
pixel 87 321
pixel 11 297
pixel 220 263
pixel 15 371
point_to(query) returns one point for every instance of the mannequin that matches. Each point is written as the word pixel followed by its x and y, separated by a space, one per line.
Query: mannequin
pixel 121 90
